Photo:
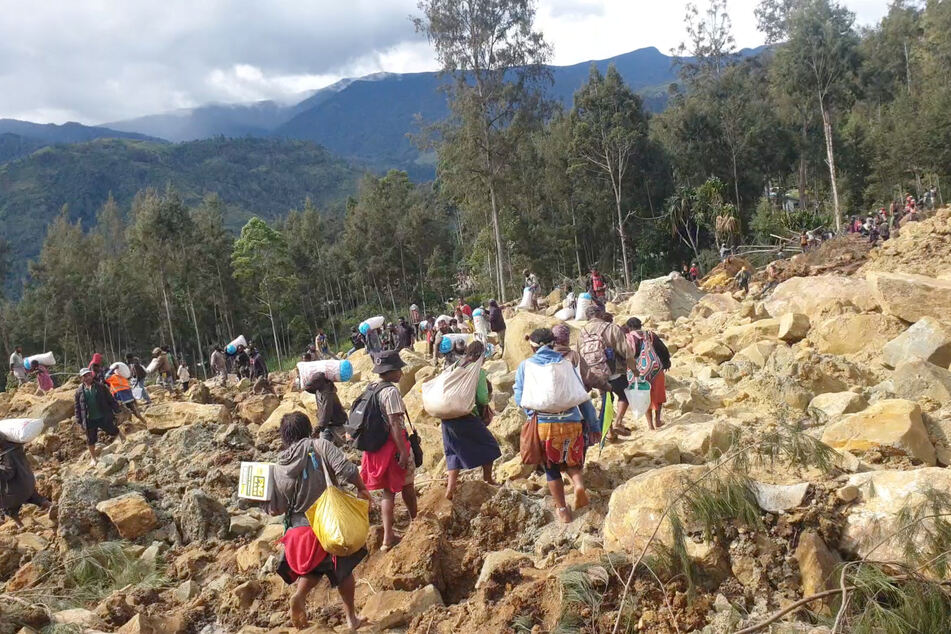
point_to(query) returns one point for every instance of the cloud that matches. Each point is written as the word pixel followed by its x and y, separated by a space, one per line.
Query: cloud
pixel 96 61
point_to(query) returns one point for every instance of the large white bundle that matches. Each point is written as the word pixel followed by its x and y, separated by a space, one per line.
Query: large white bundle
pixel 375 322
pixel 443 318
pixel 481 323
pixel 334 369
pixel 153 365
pixel 121 369
pixel 584 301
pixel 552 387
pixel 565 314
pixel 238 341
pixel 21 430
pixel 46 359
pixel 526 299
pixel 452 393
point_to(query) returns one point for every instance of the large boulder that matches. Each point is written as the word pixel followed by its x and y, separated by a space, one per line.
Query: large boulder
pixel 738 337
pixel 911 297
pixel 920 380
pixel 637 505
pixel 54 409
pixel 793 327
pixel 818 564
pixel 925 339
pixel 697 441
pixel 79 521
pixel 291 403
pixel 131 514
pixel 875 515
pixel 892 425
pixel 173 414
pixel 663 299
pixel 713 350
pixel 202 517
pixel 716 303
pixel 808 295
pixel 389 609
pixel 507 428
pixel 414 363
pixel 519 327
pixel 853 333
pixel 757 353
pixel 255 409
pixel 832 406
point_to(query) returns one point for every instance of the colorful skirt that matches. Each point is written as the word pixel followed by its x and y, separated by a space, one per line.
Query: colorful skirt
pixel 562 443
pixel 468 443
pixel 380 469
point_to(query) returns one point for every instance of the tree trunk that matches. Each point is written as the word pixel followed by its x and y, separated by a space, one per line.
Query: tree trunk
pixel 736 182
pixel 168 316
pixel 830 154
pixel 498 241
pixel 802 168
pixel 620 230
pixel 277 346
pixel 201 354
pixel 574 234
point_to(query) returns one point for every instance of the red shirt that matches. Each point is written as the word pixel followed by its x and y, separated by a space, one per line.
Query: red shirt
pixel 466 310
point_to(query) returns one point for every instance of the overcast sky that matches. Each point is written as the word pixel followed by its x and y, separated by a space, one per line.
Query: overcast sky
pixel 96 61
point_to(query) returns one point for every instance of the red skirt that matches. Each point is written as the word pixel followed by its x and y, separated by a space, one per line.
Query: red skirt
pixel 658 391
pixel 302 551
pixel 381 471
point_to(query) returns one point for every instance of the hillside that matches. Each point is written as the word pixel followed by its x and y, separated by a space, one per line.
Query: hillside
pixel 264 177
pixel 20 138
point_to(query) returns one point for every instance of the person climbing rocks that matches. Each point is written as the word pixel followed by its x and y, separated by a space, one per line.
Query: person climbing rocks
pixel 95 409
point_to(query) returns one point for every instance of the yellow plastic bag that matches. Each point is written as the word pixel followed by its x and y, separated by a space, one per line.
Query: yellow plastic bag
pixel 340 521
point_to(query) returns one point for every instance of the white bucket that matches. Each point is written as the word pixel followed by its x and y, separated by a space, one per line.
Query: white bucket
pixel 334 369
pixel 121 369
pixel 46 359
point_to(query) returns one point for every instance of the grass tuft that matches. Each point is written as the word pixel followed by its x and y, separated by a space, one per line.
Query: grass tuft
pixel 100 570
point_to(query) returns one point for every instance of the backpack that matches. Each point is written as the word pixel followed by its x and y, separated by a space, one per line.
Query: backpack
pixel 366 424
pixel 648 364
pixel 595 355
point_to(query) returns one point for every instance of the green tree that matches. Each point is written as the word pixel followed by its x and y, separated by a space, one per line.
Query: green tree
pixel 494 56
pixel 610 133
pixel 261 262
pixel 819 62
pixel 710 48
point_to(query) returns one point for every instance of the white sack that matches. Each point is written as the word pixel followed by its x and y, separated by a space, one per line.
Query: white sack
pixel 552 388
pixel 452 393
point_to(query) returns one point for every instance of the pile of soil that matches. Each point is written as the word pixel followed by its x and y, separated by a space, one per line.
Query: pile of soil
pixel 920 247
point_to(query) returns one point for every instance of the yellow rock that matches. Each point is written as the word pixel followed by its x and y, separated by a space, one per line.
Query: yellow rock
pixel 893 425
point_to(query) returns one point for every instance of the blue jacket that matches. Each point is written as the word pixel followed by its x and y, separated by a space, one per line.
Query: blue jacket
pixel 584 412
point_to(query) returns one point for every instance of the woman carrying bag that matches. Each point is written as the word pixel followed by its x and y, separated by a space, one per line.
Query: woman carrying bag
pixel 467 441
pixel 299 480
pixel 561 429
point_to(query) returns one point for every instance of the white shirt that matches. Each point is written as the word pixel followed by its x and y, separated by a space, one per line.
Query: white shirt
pixel 16 360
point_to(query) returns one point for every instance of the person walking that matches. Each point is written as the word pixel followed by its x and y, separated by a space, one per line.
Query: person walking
pixel 531 283
pixel 95 409
pixel 405 335
pixel 562 435
pixel 415 318
pixel 596 286
pixel 638 339
pixel 184 376
pixel 97 365
pixel 497 322
pixel 467 441
pixel 43 379
pixel 298 482
pixel 17 368
pixel 357 341
pixel 121 390
pixel 743 278
pixel 330 411
pixel 443 328
pixel 17 482
pixel 390 469
pixel 606 355
pixel 219 365
pixel 138 378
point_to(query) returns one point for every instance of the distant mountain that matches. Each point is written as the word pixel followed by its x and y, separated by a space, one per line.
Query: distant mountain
pixel 369 119
pixel 20 138
pixel 265 177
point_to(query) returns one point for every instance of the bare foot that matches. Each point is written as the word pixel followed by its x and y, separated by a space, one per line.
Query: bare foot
pixel 581 499
pixel 492 482
pixel 449 494
pixel 355 623
pixel 299 612
pixel 621 431
pixel 564 514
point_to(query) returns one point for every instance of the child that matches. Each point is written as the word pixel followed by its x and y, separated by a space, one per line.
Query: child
pixel 183 375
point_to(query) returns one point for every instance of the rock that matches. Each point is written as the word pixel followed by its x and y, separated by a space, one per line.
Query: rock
pixel 918 379
pixel 244 525
pixel 394 608
pixel 414 363
pixel 713 350
pixel 250 558
pixel 512 470
pixel 663 299
pixel 793 327
pixel 53 409
pixel 697 441
pixel 818 564
pixel 131 514
pixel 911 297
pixel 853 333
pixel 636 507
pixel 519 327
pixel 201 517
pixel 716 303
pixel 142 624
pixel 555 297
pixel 187 591
pixel 79 521
pixel 926 339
pixel 173 414
pixel 255 409
pixel 833 405
pixel 738 337
pixel 507 429
pixel 78 617
pixel 808 295
pixel 246 593
pixel 757 353
pixel 848 493
pixel 875 516
pixel 777 498
pixel 894 425
pixel 269 429
pixel 198 393
pixel 507 558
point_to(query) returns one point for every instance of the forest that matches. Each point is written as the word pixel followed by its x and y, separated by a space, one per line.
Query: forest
pixel 832 120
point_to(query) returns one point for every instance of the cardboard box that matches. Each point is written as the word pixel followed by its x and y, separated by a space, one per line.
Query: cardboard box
pixel 256 481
